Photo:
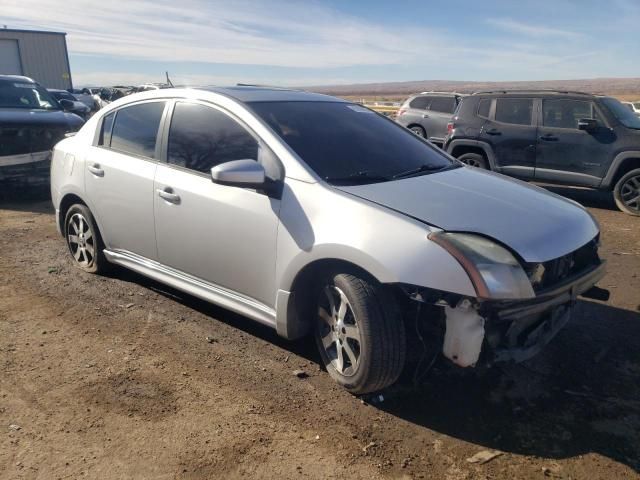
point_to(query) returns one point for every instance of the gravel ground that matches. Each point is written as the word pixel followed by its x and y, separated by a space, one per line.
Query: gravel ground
pixel 114 377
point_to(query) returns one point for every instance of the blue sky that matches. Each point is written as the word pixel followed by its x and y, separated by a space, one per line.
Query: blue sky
pixel 301 43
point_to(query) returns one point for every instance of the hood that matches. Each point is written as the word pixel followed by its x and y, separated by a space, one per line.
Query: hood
pixel 538 225
pixel 27 117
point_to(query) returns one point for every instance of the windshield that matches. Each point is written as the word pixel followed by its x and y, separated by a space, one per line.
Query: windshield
pixel 622 113
pixel 16 94
pixel 346 143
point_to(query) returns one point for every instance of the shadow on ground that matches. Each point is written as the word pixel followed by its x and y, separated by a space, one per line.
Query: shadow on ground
pixel 586 197
pixel 580 395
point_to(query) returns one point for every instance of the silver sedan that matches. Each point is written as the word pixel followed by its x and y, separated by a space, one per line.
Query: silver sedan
pixel 312 214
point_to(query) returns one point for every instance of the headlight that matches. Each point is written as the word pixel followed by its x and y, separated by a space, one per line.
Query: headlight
pixel 493 270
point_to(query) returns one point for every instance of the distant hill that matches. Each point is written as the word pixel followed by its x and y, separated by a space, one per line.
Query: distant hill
pixel 619 87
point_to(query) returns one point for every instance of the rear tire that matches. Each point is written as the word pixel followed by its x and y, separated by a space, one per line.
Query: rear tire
pixel 418 130
pixel 83 240
pixel 359 333
pixel 474 160
pixel 627 192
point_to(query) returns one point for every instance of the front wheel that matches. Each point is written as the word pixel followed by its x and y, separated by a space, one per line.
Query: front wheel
pixel 627 192
pixel 418 130
pixel 359 333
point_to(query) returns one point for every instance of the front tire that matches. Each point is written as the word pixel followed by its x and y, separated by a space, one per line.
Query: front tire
pixel 418 130
pixel 359 333
pixel 627 192
pixel 474 160
pixel 84 240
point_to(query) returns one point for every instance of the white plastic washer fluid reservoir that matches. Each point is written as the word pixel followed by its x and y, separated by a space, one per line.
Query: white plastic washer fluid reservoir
pixel 464 335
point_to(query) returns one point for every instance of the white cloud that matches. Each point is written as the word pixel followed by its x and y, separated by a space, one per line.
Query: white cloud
pixel 514 26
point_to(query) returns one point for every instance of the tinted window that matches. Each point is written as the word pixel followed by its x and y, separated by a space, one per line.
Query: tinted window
pixel 22 94
pixel 443 104
pixel 625 116
pixel 135 129
pixel 514 110
pixel 346 143
pixel 202 137
pixel 563 113
pixel 420 102
pixel 484 107
pixel 105 133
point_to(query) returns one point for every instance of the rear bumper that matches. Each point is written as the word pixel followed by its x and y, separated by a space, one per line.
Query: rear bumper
pixel 517 331
pixel 31 168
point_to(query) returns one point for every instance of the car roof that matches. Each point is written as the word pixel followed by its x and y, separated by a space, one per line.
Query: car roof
pixel 535 92
pixel 250 93
pixel 56 90
pixel 16 78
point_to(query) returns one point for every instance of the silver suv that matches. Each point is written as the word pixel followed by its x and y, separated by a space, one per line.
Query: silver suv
pixel 312 214
pixel 427 114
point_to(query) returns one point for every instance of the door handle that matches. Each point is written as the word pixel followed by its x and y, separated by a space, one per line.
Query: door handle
pixel 549 138
pixel 424 115
pixel 493 131
pixel 96 170
pixel 168 195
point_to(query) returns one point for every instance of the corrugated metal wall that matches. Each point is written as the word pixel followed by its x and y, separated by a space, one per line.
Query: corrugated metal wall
pixel 43 56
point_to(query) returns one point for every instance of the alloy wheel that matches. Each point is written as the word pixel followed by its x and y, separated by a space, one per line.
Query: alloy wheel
pixel 472 162
pixel 81 240
pixel 339 331
pixel 630 193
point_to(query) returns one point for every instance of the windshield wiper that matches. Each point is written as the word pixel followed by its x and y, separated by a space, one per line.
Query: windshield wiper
pixel 363 176
pixel 420 169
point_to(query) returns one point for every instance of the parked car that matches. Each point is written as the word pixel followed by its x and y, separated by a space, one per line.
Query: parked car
pixel 31 122
pixel 85 96
pixel 347 226
pixel 566 138
pixel 428 113
pixel 76 106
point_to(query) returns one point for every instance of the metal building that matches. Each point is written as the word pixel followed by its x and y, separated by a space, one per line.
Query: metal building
pixel 37 54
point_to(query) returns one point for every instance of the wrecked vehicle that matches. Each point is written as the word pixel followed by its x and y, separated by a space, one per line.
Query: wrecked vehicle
pixel 31 123
pixel 311 214
pixel 76 106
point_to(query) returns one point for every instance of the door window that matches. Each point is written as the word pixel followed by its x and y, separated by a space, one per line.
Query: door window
pixel 136 127
pixel 516 111
pixel 563 113
pixel 421 103
pixel 202 137
pixel 443 104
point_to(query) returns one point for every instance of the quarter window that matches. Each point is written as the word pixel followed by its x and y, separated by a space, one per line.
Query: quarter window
pixel 484 107
pixel 105 133
pixel 562 113
pixel 443 104
pixel 420 103
pixel 136 128
pixel 202 137
pixel 516 111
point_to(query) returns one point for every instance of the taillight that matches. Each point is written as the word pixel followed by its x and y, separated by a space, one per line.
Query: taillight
pixel 450 127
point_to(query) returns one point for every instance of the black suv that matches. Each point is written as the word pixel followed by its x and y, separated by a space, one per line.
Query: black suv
pixel 568 138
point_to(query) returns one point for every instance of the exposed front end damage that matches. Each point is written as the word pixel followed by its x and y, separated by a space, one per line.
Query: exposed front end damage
pixel 480 331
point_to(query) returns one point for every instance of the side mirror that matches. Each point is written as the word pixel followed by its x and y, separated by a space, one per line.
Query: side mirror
pixel 239 173
pixel 67 105
pixel 587 124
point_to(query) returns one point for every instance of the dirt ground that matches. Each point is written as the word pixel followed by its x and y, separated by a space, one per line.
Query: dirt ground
pixel 114 378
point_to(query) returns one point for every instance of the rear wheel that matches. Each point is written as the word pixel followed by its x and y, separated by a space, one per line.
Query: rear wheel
pixel 474 160
pixel 83 239
pixel 627 192
pixel 418 130
pixel 359 333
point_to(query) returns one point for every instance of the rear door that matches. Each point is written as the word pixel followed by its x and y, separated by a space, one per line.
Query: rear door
pixel 566 154
pixel 511 132
pixel 120 174
pixel 437 117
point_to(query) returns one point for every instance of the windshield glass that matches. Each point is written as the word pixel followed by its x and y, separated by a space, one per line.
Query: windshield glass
pixel 346 143
pixel 16 94
pixel 622 113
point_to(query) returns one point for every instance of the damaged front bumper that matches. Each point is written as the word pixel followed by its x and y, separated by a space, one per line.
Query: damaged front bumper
pixel 517 330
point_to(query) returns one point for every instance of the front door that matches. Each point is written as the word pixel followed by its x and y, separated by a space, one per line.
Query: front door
pixel 119 177
pixel 566 154
pixel 511 132
pixel 222 234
